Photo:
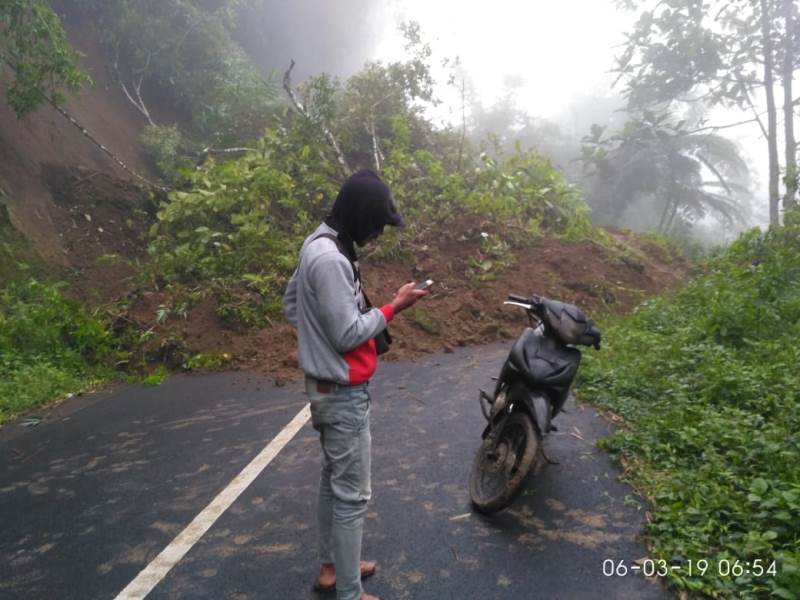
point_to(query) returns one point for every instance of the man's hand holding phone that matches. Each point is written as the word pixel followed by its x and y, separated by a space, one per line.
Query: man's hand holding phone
pixel 408 294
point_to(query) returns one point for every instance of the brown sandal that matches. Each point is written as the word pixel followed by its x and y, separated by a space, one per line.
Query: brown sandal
pixel 367 570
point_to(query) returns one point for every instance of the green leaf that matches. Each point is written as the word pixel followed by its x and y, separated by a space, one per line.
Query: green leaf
pixel 759 486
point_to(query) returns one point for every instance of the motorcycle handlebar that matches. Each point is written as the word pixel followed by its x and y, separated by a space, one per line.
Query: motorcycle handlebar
pixel 515 298
pixel 533 300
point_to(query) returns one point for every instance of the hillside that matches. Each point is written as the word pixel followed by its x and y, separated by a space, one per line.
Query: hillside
pixel 38 145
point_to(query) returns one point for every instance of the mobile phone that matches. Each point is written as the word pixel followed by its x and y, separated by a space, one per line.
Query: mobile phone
pixel 424 285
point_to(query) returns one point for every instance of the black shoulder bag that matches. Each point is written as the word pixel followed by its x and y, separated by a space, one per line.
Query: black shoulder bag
pixel 382 340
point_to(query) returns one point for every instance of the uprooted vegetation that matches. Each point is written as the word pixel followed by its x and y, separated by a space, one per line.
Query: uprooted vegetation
pixel 706 382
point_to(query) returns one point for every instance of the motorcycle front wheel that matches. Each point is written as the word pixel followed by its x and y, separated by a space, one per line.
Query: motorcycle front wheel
pixel 497 475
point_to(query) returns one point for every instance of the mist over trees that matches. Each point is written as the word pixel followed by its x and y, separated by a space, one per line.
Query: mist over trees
pixel 657 174
pixel 219 64
pixel 729 53
pixel 331 37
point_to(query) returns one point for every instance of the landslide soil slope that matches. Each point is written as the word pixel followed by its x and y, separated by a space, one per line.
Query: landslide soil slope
pixel 98 215
pixel 33 146
pixel 461 309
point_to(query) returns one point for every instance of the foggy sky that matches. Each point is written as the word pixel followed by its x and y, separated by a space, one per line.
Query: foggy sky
pixel 334 36
pixel 561 53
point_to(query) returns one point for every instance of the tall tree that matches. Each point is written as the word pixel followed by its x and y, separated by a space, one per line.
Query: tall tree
pixel 789 17
pixel 710 52
pixel 772 117
pixel 685 175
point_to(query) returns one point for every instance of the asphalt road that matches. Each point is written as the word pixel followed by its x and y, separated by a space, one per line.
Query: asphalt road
pixel 94 493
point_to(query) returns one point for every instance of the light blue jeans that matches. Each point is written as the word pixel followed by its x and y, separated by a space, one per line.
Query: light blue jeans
pixel 342 419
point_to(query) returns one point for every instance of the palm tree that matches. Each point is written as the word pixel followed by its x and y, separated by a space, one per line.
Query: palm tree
pixel 688 174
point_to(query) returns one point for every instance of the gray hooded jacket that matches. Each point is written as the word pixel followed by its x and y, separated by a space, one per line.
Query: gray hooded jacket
pixel 325 302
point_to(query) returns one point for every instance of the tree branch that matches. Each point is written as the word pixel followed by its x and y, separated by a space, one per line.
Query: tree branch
pixel 139 105
pixel 113 156
pixel 716 173
pixel 287 85
pixel 756 114
pixel 728 126
pixel 209 150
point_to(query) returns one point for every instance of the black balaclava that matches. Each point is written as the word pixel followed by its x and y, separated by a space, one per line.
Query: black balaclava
pixel 362 209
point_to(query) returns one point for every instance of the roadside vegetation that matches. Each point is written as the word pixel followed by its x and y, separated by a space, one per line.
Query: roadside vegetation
pixel 707 383
pixel 49 347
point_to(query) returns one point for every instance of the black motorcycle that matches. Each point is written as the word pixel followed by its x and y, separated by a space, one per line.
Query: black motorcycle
pixel 533 386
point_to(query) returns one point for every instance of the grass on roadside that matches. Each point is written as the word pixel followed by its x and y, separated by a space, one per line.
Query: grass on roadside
pixel 48 347
pixel 708 383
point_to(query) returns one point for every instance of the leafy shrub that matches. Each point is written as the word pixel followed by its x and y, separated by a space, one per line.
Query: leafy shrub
pixel 157 377
pixel 707 381
pixel 233 101
pixel 241 222
pixel 17 257
pixel 524 186
pixel 164 146
pixel 48 346
pixel 207 361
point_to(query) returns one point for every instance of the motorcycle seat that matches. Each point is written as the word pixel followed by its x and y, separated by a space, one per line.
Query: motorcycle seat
pixel 543 361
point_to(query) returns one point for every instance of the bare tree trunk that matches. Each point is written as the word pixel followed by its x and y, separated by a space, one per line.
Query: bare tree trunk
pixel 772 120
pixel 376 150
pixel 137 102
pixel 672 216
pixel 788 105
pixel 463 139
pixel 287 85
pixel 113 156
pixel 671 205
pixel 663 220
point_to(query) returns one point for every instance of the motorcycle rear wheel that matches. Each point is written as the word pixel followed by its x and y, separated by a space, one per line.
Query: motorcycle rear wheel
pixel 497 476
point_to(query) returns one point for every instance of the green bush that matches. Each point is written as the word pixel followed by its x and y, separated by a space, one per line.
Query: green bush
pixel 164 146
pixel 708 383
pixel 48 346
pixel 18 259
pixel 238 224
pixel 241 223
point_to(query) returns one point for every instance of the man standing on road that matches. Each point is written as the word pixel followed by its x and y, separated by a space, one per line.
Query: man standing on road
pixel 337 350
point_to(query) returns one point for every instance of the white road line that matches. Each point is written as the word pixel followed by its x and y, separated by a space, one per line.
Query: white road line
pixel 153 573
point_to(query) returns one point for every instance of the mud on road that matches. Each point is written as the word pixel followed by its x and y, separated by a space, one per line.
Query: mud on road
pixel 92 496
